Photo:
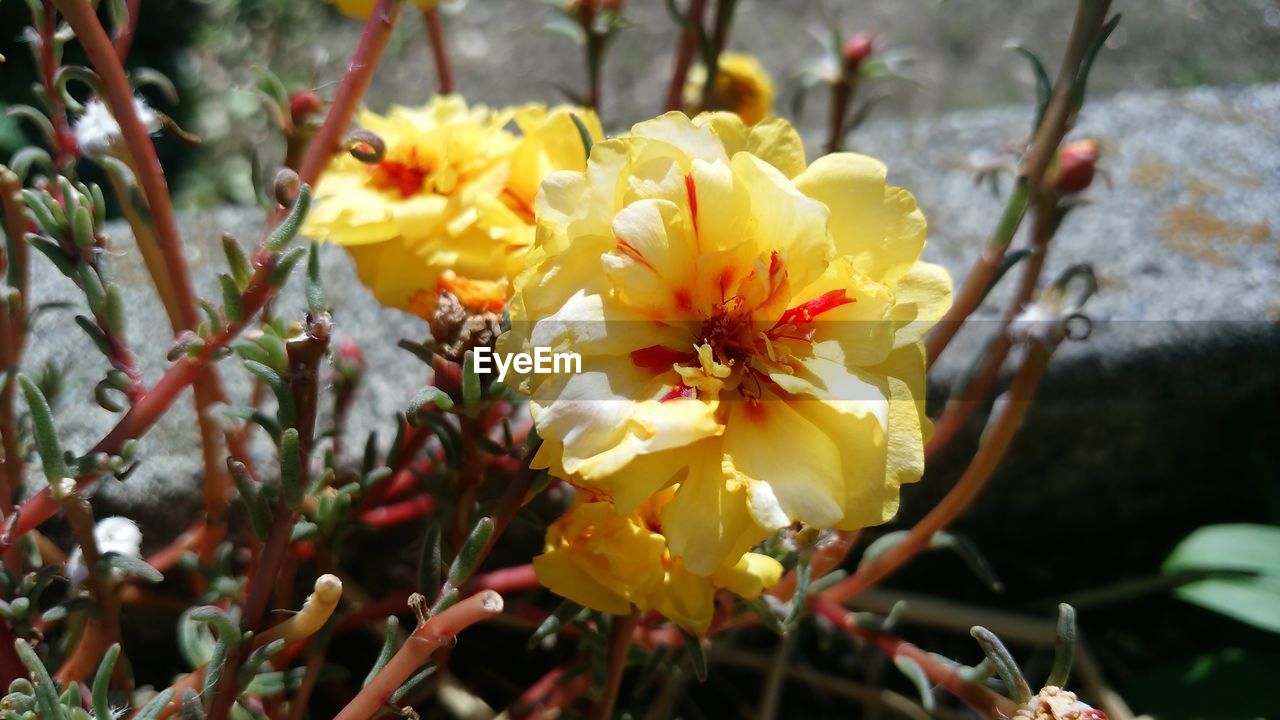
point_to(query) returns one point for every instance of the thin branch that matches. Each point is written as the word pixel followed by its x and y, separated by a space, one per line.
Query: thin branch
pixel 417 650
pixel 1090 17
pixel 619 645
pixel 439 48
pixel 328 140
pixel 995 443
pixel 982 700
pixel 690 39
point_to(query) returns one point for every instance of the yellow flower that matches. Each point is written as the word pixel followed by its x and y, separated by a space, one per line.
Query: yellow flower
pixel 609 562
pixel 749 327
pixel 360 9
pixel 450 206
pixel 742 86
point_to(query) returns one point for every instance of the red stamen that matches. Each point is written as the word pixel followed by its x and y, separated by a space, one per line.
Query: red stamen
pixel 406 176
pixel 683 391
pixel 659 357
pixel 692 191
pixel 807 311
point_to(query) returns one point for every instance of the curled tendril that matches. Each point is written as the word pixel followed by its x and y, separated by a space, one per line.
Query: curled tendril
pixel 286 187
pixel 36 118
pixel 1057 314
pixel 66 74
pixel 1078 326
pixel 28 157
pixel 1073 287
pixel 172 126
pixel 102 395
pixel 365 146
pixel 145 76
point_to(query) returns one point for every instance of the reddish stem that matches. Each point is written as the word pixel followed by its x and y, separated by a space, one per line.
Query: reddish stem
pixel 552 693
pixel 960 409
pixel 119 95
pixel 398 513
pixel 65 150
pixel 439 47
pixel 328 140
pixel 123 39
pixel 1057 121
pixel 147 411
pixel 12 337
pixel 995 443
pixel 411 443
pixel 507 580
pixel 688 47
pixel 982 700
pixel 417 650
pixel 619 645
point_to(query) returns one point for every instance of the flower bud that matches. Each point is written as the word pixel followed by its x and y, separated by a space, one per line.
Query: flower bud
pixel 1054 703
pixel 302 105
pixel 1075 167
pixel 350 357
pixel 857 49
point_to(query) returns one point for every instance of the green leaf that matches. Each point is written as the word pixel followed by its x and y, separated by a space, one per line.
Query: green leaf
pixel 430 563
pixel 470 380
pixel 314 286
pixel 388 647
pixel 1044 86
pixel 237 261
pixel 1252 552
pixel 697 656
pixel 152 710
pixel 132 566
pixel 292 223
pixel 563 615
pixel 45 690
pixel 55 469
pixel 102 682
pixel 430 394
pixel 291 468
pixel 469 556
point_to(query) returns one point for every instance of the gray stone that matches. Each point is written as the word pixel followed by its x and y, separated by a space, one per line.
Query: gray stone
pixel 1183 348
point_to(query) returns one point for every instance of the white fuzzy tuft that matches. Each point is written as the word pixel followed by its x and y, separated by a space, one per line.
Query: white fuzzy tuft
pixel 98 133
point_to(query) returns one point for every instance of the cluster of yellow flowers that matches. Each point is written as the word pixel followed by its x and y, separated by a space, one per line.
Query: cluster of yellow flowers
pixel 450 205
pixel 750 324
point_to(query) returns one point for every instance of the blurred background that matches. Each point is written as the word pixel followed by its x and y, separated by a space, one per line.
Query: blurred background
pixel 1138 441
pixel 509 51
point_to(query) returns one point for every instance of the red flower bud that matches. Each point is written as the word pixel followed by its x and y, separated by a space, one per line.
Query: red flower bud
pixel 1076 165
pixel 348 361
pixel 857 49
pixel 303 104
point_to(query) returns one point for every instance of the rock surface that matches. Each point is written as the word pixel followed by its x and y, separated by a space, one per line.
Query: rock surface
pixel 1164 401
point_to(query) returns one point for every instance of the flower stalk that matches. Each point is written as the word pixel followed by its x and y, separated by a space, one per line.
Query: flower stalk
pixel 13 324
pixel 328 140
pixel 983 701
pixel 691 38
pixel 619 645
pixel 996 440
pixel 1058 116
pixel 439 48
pixel 417 650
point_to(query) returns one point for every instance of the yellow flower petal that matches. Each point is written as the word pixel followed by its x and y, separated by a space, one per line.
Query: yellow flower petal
pixel 707 522
pixel 879 227
pixel 751 576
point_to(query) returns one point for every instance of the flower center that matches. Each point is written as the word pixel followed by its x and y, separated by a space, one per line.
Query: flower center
pixel 733 352
pixel 405 174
